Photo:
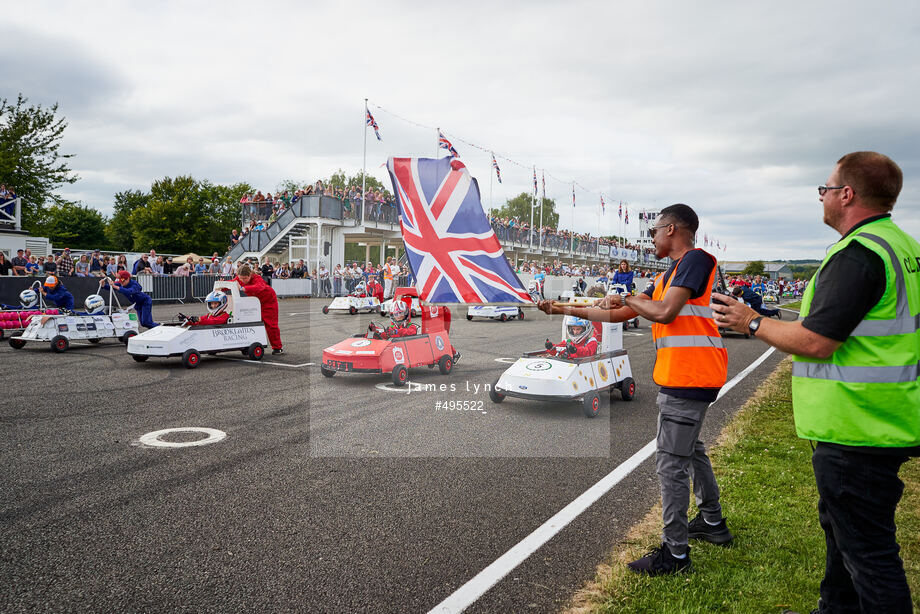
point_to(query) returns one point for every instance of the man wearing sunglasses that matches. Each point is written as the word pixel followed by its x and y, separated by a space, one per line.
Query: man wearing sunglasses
pixel 855 386
pixel 691 368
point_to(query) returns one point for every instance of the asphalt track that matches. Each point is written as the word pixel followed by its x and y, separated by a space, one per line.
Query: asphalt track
pixel 327 495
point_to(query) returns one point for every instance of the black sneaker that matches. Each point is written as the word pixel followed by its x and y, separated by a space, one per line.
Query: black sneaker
pixel 659 561
pixel 718 534
pixel 278 351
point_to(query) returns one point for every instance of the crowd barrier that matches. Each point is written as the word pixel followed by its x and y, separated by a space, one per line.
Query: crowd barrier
pixel 292 287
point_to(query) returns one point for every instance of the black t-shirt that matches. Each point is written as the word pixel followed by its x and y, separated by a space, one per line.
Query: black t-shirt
pixel 848 286
pixel 691 272
pixel 5 267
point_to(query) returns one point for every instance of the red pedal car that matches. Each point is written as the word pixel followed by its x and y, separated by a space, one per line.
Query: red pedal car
pixel 372 352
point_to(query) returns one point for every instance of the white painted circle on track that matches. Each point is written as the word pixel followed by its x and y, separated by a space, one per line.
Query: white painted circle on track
pixel 409 387
pixel 154 439
pixel 508 361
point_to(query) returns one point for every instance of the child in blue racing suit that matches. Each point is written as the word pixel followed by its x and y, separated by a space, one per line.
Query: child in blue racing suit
pixel 55 292
pixel 132 291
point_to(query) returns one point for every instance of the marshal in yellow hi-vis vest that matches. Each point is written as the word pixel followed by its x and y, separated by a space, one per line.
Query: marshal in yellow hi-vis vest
pixel 868 392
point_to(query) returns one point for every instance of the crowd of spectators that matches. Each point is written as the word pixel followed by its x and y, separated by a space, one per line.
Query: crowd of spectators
pixel 337 281
pixel 515 230
pixel 593 272
pixel 761 284
pixel 97 264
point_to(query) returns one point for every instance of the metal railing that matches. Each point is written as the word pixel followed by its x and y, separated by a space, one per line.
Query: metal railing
pixel 165 288
pixel 11 213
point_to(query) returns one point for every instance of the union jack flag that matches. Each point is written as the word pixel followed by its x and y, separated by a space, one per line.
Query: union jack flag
pixel 543 179
pixel 443 143
pixel 627 215
pixel 498 172
pixel 620 213
pixel 535 181
pixel 452 250
pixel 373 124
pixel 573 196
pixel 602 204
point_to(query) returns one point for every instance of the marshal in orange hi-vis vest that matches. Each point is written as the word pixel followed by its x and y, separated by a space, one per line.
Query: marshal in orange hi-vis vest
pixel 690 350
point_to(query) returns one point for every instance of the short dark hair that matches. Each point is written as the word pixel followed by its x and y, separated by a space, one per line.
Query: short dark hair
pixel 873 176
pixel 682 215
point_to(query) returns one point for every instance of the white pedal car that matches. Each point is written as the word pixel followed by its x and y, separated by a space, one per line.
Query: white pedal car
pixel 540 377
pixel 494 312
pixel 353 304
pixel 62 328
pixel 620 289
pixel 244 332
pixel 388 304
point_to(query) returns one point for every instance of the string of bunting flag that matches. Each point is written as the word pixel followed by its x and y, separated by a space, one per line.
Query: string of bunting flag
pixel 445 143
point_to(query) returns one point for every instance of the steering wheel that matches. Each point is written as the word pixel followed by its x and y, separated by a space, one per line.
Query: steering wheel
pixel 377 330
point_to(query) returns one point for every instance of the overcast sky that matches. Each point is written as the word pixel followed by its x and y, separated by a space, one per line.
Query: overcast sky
pixel 739 111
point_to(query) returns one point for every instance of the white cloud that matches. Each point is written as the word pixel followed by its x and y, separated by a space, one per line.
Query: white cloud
pixel 738 110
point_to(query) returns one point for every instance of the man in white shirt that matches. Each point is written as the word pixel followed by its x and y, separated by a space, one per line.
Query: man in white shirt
pixel 324 280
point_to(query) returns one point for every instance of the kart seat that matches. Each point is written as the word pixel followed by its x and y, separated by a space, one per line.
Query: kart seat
pixel 435 319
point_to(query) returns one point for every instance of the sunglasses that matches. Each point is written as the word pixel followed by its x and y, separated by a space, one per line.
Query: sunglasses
pixel 654 229
pixel 822 189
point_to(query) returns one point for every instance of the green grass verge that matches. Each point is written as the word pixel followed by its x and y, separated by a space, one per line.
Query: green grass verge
pixel 795 305
pixel 770 500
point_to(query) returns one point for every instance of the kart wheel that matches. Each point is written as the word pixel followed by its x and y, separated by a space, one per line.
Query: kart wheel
pixel 1 334
pixel 636 323
pixel 592 405
pixel 469 317
pixel 190 359
pixel 432 366
pixel 59 344
pixel 244 352
pixel 352 310
pixel 400 376
pixel 325 309
pixel 94 340
pixel 17 344
pixel 326 372
pixel 446 365
pixel 504 317
pixel 494 395
pixel 124 338
pixel 139 357
pixel 255 351
pixel 628 389
pixel 520 314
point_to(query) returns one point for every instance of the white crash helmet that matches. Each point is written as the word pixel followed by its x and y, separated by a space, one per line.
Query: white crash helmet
pixel 571 324
pixel 94 303
pixel 216 302
pixel 532 286
pixel 28 297
pixel 399 312
pixel 361 288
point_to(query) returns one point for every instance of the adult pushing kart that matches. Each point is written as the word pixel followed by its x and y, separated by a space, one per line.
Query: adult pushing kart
pixel 15 318
pixel 234 323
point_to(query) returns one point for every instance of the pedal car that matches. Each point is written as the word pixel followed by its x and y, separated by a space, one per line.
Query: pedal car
pixel 494 312
pixel 620 289
pixel 371 352
pixel 357 301
pixel 15 319
pixel 541 376
pixel 98 322
pixel 242 331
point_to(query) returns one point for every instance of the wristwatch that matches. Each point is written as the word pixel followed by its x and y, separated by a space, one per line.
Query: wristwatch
pixel 755 325
pixel 623 296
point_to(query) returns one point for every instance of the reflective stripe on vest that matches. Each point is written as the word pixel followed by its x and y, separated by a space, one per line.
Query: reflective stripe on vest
pixel 695 310
pixel 856 375
pixel 689 341
pixel 903 323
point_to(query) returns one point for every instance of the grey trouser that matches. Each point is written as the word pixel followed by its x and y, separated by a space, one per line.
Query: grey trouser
pixel 682 457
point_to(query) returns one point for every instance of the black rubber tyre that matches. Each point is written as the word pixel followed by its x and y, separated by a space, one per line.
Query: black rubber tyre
pixel 636 323
pixel 400 376
pixel 190 359
pixel 139 357
pixel 469 317
pixel 628 389
pixel 446 365
pixel 124 338
pixel 256 351
pixel 325 309
pixel 327 372
pixel 244 352
pixel 17 344
pixel 520 314
pixel 504 317
pixel 494 395
pixel 352 310
pixel 2 334
pixel 592 405
pixel 59 343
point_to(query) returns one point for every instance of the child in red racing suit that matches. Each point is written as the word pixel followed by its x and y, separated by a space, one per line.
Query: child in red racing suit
pixel 255 286
pixel 375 289
pixel 579 342
pixel 217 310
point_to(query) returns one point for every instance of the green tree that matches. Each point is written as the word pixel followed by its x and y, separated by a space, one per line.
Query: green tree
pixel 754 267
pixel 119 232
pixel 184 214
pixel 340 180
pixel 76 226
pixel 30 160
pixel 519 207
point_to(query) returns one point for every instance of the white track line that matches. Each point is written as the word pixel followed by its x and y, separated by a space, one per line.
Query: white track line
pixel 467 594
pixel 267 362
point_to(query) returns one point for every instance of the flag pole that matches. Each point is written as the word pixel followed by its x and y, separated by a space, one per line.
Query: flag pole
pixel 572 246
pixel 364 165
pixel 491 172
pixel 542 204
pixel 533 203
pixel 437 148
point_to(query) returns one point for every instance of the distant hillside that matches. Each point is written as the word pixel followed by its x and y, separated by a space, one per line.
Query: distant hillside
pixel 798 262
